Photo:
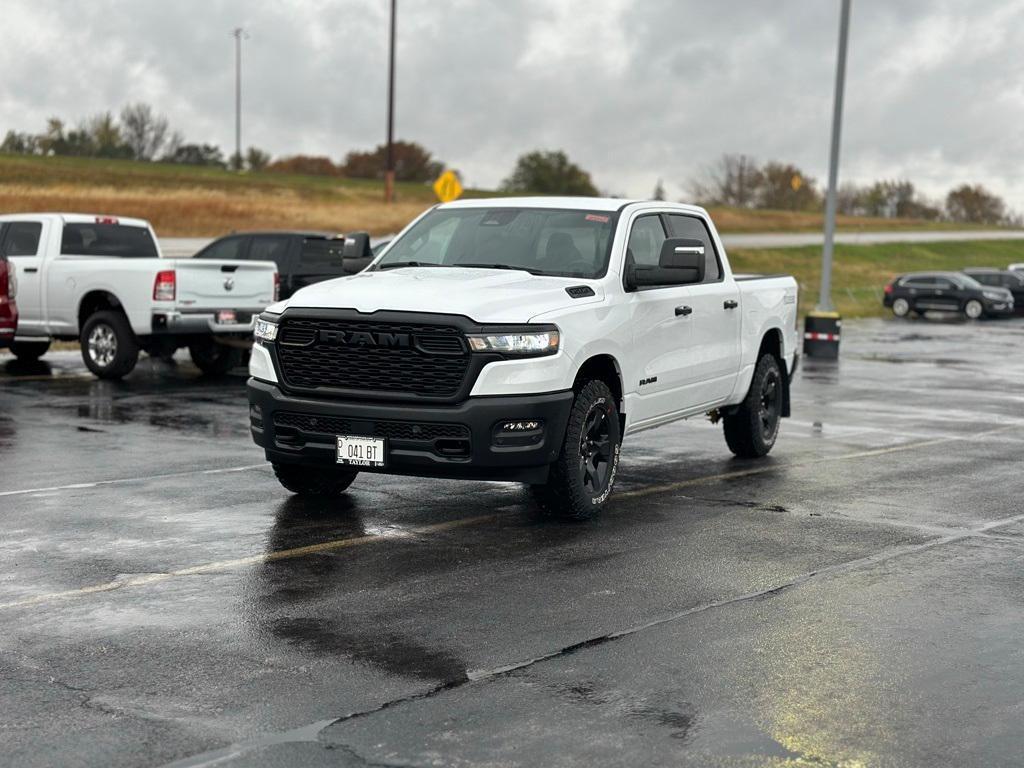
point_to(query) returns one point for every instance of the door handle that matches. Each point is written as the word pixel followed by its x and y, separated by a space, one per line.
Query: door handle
pixel 31 270
pixel 684 311
pixel 731 304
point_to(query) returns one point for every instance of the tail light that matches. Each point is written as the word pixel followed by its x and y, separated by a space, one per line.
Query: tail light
pixel 277 286
pixel 8 282
pixel 888 289
pixel 165 285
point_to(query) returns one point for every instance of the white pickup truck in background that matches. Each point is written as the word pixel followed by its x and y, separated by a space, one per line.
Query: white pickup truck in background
pixel 521 340
pixel 101 280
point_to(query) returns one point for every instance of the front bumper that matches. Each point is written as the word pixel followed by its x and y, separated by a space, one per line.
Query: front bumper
pixel 456 441
pixel 999 308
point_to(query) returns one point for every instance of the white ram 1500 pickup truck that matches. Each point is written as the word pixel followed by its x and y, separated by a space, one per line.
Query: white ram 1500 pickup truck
pixel 521 339
pixel 101 280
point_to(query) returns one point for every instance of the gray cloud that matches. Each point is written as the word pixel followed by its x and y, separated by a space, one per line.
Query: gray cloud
pixel 635 90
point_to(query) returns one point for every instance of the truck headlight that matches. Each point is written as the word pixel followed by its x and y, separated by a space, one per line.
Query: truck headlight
pixel 265 331
pixel 516 342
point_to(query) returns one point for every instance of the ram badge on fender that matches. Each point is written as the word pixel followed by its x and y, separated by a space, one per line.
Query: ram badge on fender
pixel 521 340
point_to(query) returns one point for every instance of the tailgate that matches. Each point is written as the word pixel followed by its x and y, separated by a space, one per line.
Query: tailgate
pixel 213 285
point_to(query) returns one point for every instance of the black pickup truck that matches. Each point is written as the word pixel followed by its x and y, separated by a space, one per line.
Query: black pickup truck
pixel 302 258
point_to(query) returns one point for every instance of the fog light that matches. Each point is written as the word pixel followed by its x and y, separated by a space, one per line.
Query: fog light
pixel 518 433
pixel 256 416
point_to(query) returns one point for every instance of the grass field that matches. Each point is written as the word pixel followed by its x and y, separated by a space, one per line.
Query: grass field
pixel 860 272
pixel 183 201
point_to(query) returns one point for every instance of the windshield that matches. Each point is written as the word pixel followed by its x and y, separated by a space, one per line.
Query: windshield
pixel 968 282
pixel 543 241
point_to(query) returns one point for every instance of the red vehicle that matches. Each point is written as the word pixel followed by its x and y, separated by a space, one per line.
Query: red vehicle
pixel 8 306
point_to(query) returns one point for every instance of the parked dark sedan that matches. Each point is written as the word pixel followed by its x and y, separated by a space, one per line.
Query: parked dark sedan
pixel 302 258
pixel 920 292
pixel 1002 278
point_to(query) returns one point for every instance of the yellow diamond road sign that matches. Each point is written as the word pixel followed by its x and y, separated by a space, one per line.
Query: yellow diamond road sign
pixel 447 187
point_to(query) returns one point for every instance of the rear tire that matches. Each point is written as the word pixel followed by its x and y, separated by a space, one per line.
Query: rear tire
pixel 214 359
pixel 314 482
pixel 973 309
pixel 109 347
pixel 27 351
pixel 751 429
pixel 582 478
pixel 901 307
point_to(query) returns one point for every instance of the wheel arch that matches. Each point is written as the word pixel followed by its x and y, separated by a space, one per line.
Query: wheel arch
pixel 606 368
pixel 97 301
pixel 772 344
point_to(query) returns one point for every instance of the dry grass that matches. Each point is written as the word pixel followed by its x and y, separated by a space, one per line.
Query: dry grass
pixel 200 212
pixel 206 202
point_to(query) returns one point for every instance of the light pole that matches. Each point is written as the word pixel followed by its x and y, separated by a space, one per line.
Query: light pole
pixel 825 294
pixel 822 326
pixel 238 33
pixel 389 163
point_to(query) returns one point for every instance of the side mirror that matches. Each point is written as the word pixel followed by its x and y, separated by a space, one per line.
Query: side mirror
pixel 681 262
pixel 357 246
pixel 356 253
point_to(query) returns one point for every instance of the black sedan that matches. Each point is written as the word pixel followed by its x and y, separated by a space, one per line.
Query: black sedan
pixel 920 292
pixel 1001 278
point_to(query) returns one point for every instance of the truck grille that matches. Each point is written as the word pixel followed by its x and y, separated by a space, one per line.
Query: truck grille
pixel 353 355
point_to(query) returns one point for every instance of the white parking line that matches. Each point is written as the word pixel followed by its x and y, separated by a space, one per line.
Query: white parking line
pixel 118 481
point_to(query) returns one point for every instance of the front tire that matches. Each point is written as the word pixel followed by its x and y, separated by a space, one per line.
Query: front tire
pixel 212 358
pixel 973 309
pixel 314 482
pixel 29 351
pixel 109 347
pixel 582 478
pixel 751 429
pixel 901 307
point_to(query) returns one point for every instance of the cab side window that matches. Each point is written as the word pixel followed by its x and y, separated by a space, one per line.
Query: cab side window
pixel 21 238
pixel 693 228
pixel 645 241
pixel 229 248
pixel 273 249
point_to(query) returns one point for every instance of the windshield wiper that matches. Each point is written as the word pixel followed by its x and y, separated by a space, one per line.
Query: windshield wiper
pixel 500 266
pixel 397 264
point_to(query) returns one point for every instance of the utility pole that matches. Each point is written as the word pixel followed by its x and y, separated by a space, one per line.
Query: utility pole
pixel 822 326
pixel 389 167
pixel 238 33
pixel 825 294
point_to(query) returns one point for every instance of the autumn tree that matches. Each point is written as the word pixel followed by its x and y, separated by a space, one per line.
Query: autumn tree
pixel 548 173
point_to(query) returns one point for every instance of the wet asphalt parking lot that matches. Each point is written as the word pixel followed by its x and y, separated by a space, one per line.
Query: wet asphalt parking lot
pixel 857 599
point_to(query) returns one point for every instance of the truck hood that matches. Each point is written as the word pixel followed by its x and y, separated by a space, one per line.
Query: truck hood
pixel 483 295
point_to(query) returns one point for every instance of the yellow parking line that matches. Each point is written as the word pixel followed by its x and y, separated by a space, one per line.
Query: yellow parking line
pixel 337 544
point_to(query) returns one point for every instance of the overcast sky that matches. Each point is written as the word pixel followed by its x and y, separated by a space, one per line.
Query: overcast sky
pixel 633 90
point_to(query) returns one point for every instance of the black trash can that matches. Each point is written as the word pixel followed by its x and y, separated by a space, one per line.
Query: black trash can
pixel 821 335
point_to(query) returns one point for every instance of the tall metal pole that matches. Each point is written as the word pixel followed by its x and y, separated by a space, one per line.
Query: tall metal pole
pixel 825 295
pixel 238 32
pixel 389 168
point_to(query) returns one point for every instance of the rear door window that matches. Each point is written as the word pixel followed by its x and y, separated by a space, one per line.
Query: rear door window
pixel 692 228
pixel 111 240
pixel 21 238
pixel 270 248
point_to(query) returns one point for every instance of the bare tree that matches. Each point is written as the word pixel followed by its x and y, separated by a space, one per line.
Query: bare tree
pixel 734 180
pixel 144 131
